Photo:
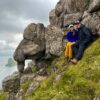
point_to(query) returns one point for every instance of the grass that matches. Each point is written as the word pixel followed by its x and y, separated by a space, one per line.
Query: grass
pixel 3 95
pixel 77 82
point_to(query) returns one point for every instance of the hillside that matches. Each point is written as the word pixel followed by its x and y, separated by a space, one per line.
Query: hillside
pixel 69 82
pixel 48 76
pixel 72 82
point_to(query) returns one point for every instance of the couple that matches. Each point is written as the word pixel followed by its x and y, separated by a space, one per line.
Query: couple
pixel 78 38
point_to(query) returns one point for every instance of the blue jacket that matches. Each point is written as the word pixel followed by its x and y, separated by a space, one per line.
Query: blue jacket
pixel 72 38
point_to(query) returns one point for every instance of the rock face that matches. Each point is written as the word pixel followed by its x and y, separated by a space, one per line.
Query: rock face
pixel 67 11
pixel 11 84
pixel 40 41
pixel 54 40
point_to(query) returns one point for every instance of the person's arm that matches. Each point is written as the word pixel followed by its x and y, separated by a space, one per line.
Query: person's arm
pixel 68 36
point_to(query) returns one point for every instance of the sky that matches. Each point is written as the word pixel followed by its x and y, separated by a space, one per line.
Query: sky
pixel 15 15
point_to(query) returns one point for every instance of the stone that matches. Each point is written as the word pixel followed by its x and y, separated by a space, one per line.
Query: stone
pixel 57 78
pixel 54 42
pixel 11 83
pixel 58 9
pixel 19 95
pixel 94 6
pixel 52 18
pixel 97 98
pixel 71 6
pixel 71 18
pixel 26 77
pixel 32 46
pixel 35 84
pixel 93 23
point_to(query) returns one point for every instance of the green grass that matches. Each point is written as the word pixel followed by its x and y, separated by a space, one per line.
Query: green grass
pixel 77 82
pixel 3 95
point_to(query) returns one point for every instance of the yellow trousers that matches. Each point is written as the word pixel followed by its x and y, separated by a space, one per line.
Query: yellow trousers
pixel 69 51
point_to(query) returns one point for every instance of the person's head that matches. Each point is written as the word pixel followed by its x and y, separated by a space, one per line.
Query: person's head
pixel 71 28
pixel 77 25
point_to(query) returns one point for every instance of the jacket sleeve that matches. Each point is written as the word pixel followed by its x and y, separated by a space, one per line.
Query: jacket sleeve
pixel 87 34
pixel 68 36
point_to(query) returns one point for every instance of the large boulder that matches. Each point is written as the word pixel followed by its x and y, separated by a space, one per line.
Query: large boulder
pixel 70 18
pixel 92 21
pixel 32 46
pixel 11 83
pixel 54 37
pixel 52 18
pixel 71 6
pixel 94 6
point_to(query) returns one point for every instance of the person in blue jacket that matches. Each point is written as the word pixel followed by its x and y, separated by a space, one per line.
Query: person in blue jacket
pixel 72 37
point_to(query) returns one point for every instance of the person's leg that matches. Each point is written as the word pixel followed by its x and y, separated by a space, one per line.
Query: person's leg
pixel 67 50
pixel 80 51
pixel 70 50
pixel 75 48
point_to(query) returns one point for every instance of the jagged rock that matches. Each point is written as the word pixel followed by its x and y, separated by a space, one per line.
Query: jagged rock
pixel 11 83
pixel 94 6
pixel 26 77
pixel 52 18
pixel 92 22
pixel 70 18
pixel 12 96
pixel 71 6
pixel 59 8
pixel 32 46
pixel 57 78
pixel 97 98
pixel 19 95
pixel 35 84
pixel 54 42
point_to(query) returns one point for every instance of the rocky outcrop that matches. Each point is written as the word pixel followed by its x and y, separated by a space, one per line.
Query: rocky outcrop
pixel 94 6
pixel 54 38
pixel 41 43
pixel 38 41
pixel 67 11
pixel 11 84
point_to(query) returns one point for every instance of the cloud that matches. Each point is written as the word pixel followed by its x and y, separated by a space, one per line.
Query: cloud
pixel 15 15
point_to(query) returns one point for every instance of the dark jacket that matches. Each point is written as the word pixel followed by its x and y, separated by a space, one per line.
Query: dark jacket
pixel 72 38
pixel 84 35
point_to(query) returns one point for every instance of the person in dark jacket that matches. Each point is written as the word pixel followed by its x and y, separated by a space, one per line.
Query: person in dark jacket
pixel 84 38
pixel 72 37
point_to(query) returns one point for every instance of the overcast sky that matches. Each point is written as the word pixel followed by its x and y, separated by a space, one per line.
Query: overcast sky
pixel 15 15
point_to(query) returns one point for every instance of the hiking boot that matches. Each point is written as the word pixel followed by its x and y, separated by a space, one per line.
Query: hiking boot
pixel 74 61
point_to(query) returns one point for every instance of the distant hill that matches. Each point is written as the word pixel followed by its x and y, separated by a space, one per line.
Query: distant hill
pixel 11 62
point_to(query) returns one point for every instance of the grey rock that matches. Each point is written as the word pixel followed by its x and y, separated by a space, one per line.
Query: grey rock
pixel 94 6
pixel 26 77
pixel 57 78
pixel 19 95
pixel 32 46
pixel 92 22
pixel 52 18
pixel 35 84
pixel 54 42
pixel 71 18
pixel 97 98
pixel 11 83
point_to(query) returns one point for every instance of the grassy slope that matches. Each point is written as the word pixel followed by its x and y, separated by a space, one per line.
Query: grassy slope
pixel 77 82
